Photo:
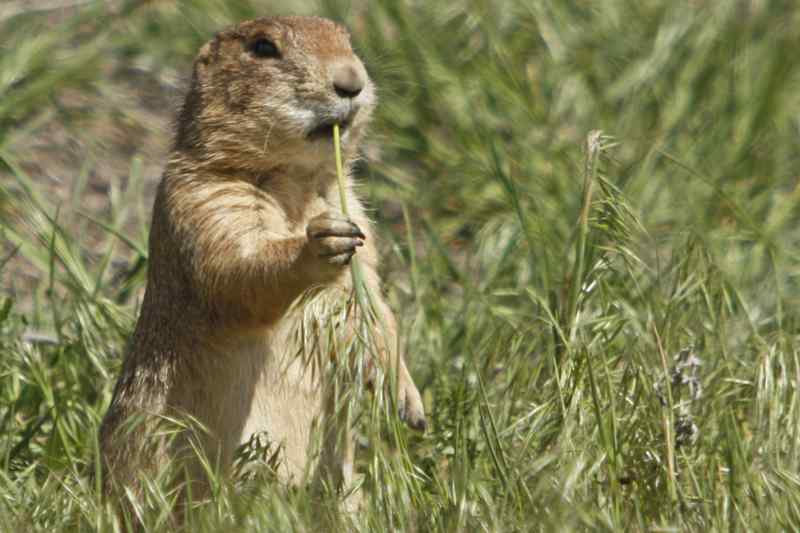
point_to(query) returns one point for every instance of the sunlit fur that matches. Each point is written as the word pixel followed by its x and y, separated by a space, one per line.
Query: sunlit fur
pixel 229 254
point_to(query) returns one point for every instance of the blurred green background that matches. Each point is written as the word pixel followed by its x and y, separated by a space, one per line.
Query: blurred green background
pixel 545 275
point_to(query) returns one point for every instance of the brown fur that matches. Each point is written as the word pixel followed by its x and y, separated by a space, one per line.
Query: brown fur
pixel 246 219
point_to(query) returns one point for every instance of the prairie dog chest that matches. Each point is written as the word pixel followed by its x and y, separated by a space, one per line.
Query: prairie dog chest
pixel 287 203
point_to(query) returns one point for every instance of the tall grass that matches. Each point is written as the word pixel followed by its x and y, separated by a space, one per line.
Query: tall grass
pixel 604 326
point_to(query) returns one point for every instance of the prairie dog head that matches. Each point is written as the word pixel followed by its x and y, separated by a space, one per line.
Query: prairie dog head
pixel 267 92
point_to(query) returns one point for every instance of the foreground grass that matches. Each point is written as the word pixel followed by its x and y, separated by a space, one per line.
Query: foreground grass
pixel 605 329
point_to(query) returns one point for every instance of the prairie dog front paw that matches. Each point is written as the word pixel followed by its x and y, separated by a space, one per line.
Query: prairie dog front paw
pixel 333 239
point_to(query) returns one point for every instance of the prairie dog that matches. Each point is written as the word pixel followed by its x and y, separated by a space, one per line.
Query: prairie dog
pixel 247 217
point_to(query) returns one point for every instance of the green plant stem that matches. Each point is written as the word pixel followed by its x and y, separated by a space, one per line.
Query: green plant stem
pixel 337 147
pixel 589 175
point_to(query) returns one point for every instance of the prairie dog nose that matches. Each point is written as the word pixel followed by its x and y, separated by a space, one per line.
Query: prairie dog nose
pixel 349 78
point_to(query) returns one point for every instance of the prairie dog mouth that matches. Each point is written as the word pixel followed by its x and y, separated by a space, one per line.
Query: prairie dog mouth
pixel 325 128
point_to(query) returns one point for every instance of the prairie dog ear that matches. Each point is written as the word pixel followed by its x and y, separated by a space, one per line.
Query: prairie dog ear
pixel 202 63
pixel 204 55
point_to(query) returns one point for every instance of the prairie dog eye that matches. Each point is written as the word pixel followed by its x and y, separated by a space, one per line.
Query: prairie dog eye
pixel 264 48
